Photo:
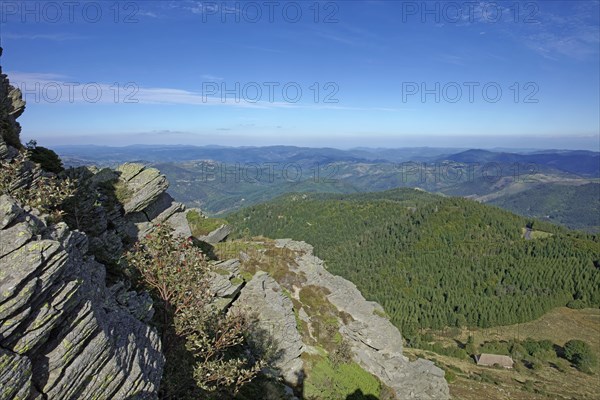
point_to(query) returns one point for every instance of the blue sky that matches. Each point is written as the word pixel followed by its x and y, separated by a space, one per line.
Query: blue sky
pixel 388 73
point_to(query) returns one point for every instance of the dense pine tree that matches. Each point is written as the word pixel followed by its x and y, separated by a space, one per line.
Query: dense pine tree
pixel 433 261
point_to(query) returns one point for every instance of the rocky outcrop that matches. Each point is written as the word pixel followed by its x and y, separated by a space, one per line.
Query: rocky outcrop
pixel 116 208
pixel 216 236
pixel 376 343
pixel 11 107
pixel 144 186
pixel 225 282
pixel 275 328
pixel 63 333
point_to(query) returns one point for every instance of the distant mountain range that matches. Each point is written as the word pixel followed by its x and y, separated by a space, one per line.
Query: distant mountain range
pixel 557 185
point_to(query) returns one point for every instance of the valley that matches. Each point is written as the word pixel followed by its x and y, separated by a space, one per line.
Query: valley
pixel 561 187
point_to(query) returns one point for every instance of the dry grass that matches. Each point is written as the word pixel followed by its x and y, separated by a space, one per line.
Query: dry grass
pixel 559 326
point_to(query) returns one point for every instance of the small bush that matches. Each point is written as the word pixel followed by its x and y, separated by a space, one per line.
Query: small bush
pixel 449 375
pixel 30 186
pixel 46 158
pixel 576 304
pixel 581 355
pixel 175 271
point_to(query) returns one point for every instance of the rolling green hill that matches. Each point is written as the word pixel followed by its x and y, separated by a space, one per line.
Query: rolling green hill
pixel 566 199
pixel 435 261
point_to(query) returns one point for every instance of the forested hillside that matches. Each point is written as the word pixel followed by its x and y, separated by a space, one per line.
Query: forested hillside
pixel 577 207
pixel 434 261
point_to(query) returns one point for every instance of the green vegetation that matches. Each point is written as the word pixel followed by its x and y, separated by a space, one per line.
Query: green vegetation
pixel 47 192
pixel 433 261
pixel 540 370
pixel 330 371
pixel 48 159
pixel 328 381
pixel 581 355
pixel 232 248
pixel 200 225
pixel 208 353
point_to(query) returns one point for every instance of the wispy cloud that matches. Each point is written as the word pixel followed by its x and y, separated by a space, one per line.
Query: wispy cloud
pixel 55 37
pixel 209 77
pixel 569 32
pixel 147 14
pixel 49 88
pixel 572 41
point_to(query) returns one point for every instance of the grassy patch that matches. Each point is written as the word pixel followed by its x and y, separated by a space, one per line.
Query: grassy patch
pixel 222 271
pixel 380 313
pixel 537 234
pixel 329 382
pixel 231 249
pixel 263 256
pixel 201 226
pixel 237 281
pixel 122 192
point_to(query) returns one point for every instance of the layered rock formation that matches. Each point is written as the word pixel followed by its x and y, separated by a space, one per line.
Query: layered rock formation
pixel 264 297
pixel 65 334
pixel 274 296
pixel 11 107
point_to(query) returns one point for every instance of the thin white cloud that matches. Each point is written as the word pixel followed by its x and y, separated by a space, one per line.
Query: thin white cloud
pixel 55 37
pixel 147 14
pixel 49 88
pixel 209 77
pixel 573 33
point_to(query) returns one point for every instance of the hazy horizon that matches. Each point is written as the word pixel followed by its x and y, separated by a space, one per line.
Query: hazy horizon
pixel 504 143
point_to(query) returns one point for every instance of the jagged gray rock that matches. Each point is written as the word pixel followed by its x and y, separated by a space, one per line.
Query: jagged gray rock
pixel 376 343
pixel 11 107
pixel 146 185
pixel 276 325
pixel 225 280
pixel 97 209
pixel 216 236
pixel 9 211
pixel 63 333
pixel 15 369
pixel 61 328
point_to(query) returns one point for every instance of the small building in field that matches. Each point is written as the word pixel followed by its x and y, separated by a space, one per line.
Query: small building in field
pixel 489 360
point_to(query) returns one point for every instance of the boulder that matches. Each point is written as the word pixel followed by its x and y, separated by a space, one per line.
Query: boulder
pixel 144 186
pixel 225 279
pixel 216 236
